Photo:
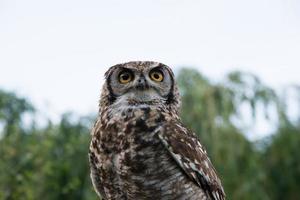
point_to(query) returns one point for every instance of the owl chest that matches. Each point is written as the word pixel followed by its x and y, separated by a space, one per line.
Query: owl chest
pixel 133 153
pixel 132 147
pixel 136 165
pixel 143 169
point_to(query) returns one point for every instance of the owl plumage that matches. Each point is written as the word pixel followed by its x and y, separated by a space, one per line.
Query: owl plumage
pixel 139 147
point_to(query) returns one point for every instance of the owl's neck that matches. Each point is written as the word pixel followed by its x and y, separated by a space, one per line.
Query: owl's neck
pixel 135 105
pixel 122 108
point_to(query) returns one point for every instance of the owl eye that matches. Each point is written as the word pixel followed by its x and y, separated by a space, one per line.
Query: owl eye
pixel 157 75
pixel 125 77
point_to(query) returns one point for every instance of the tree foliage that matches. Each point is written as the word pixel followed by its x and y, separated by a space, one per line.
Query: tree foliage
pixel 51 162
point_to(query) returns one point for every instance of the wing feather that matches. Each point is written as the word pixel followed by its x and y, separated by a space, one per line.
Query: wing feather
pixel 185 148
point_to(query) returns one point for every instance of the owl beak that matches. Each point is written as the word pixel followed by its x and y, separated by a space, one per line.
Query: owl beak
pixel 142 83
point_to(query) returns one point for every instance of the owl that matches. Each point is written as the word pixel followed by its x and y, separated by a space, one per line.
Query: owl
pixel 139 148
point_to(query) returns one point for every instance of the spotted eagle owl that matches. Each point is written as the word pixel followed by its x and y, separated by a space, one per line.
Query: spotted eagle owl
pixel 139 148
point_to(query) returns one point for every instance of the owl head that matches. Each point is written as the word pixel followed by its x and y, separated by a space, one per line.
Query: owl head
pixel 137 82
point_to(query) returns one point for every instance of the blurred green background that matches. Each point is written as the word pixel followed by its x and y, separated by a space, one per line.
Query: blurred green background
pixel 50 162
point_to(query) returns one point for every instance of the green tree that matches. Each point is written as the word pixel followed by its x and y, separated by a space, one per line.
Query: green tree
pixel 12 108
pixel 62 161
pixel 282 163
pixel 42 163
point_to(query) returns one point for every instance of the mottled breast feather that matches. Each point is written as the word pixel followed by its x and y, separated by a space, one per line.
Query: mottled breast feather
pixel 190 155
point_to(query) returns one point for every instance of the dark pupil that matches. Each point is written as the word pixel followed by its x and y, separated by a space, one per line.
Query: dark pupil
pixel 156 76
pixel 125 77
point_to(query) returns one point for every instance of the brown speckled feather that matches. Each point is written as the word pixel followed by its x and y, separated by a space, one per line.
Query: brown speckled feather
pixel 185 148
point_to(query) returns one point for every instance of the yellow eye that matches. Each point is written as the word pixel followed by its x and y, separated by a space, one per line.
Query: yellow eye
pixel 125 77
pixel 157 76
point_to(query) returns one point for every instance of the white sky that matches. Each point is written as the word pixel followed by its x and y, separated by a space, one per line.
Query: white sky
pixel 55 52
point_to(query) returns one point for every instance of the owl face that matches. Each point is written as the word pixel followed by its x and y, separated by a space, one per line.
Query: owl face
pixel 140 81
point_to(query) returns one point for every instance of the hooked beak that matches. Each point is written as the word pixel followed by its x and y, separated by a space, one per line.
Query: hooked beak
pixel 142 84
